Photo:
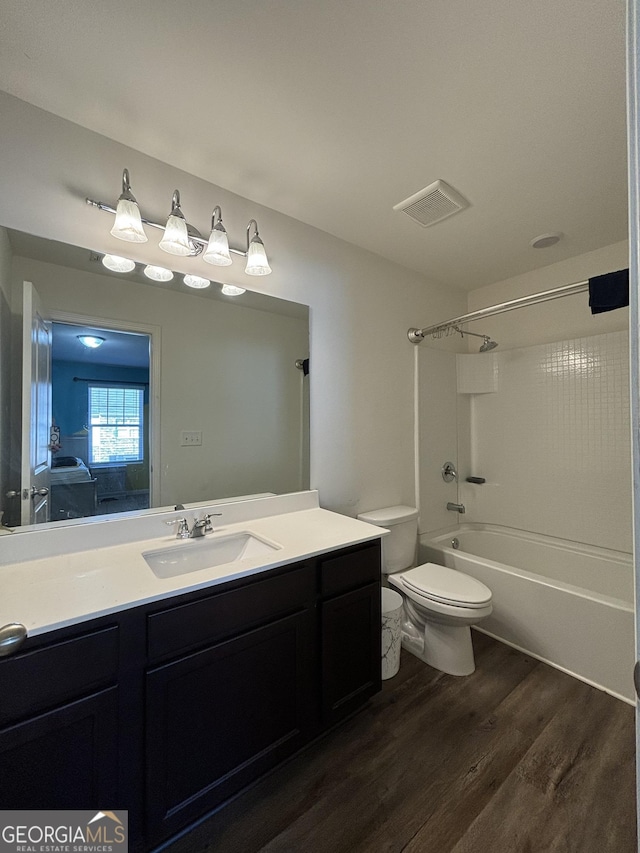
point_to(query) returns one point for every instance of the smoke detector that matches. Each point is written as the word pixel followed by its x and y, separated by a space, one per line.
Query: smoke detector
pixel 433 204
pixel 546 240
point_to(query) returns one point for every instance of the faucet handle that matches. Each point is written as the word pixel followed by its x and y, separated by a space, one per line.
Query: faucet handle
pixel 207 521
pixel 183 527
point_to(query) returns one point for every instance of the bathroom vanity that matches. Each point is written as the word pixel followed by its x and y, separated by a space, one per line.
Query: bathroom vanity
pixel 181 696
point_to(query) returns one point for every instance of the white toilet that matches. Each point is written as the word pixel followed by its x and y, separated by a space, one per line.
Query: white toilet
pixel 440 604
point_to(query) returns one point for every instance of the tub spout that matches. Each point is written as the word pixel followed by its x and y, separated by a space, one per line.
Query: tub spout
pixel 456 507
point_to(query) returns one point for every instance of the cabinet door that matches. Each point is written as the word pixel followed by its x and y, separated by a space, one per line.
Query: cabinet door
pixel 351 651
pixel 219 718
pixel 66 758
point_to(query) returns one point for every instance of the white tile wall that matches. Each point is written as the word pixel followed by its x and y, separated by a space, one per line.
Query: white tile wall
pixel 554 442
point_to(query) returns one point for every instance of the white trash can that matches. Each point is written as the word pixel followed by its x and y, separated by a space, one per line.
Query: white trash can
pixel 391 632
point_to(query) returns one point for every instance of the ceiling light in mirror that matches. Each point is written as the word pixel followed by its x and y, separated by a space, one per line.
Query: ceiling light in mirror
pixel 232 290
pixel 175 240
pixel 117 264
pixel 196 281
pixel 128 223
pixel 158 273
pixel 91 341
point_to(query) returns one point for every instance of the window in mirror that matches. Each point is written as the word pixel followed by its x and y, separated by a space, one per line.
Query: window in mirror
pixel 115 424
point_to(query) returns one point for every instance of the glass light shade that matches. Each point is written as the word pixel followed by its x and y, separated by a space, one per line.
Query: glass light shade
pixel 158 273
pixel 117 264
pixel 232 290
pixel 257 263
pixel 91 341
pixel 176 239
pixel 128 224
pixel 196 281
pixel 217 251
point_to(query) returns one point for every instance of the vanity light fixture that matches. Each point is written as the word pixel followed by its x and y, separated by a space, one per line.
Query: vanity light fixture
pixel 180 238
pixel 91 341
pixel 217 251
pixel 232 290
pixel 257 263
pixel 176 237
pixel 128 224
pixel 157 273
pixel 117 264
pixel 196 281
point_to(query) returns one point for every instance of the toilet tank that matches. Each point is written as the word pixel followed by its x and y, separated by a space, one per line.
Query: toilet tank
pixel 399 547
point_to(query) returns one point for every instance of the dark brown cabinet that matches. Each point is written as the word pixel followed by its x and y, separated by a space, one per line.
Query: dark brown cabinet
pixel 169 709
pixel 220 717
pixel 58 731
pixel 350 631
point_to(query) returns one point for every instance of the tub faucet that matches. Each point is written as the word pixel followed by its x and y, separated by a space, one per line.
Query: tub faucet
pixel 456 507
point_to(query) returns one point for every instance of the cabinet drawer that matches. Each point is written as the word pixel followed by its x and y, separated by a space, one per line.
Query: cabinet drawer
pixel 56 673
pixel 187 626
pixel 350 570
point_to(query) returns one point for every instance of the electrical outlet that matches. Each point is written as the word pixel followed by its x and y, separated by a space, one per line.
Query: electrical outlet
pixel 190 438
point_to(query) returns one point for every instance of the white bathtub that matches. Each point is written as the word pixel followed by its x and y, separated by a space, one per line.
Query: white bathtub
pixel 567 604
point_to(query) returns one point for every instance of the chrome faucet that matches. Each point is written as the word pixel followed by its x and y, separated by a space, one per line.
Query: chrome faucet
pixel 200 528
pixel 456 507
pixel 203 525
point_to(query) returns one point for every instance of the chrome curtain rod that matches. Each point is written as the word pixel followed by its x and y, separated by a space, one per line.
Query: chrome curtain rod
pixel 418 335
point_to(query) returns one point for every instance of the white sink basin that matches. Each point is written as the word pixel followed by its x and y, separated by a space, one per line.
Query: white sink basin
pixel 206 553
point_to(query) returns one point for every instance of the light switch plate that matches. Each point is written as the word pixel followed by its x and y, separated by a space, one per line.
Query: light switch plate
pixel 190 438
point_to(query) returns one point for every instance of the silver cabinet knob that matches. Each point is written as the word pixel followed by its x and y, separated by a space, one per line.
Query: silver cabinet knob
pixel 12 636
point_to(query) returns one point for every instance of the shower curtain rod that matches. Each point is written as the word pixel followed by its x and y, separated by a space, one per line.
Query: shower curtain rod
pixel 418 335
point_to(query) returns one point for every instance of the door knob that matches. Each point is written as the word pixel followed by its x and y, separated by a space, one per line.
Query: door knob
pixel 12 494
pixel 42 492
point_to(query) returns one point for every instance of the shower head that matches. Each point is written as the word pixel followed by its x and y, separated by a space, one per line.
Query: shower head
pixel 486 345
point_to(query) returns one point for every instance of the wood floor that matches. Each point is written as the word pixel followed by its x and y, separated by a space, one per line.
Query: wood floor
pixel 516 758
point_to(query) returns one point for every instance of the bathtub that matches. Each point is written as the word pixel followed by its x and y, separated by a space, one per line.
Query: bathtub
pixel 567 604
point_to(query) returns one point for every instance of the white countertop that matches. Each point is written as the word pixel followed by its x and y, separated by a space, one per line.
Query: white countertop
pixel 68 587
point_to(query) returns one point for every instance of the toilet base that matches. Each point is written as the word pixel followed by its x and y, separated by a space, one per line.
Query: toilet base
pixel 447 648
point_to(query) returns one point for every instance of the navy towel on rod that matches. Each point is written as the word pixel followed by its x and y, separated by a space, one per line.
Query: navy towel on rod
pixel 608 292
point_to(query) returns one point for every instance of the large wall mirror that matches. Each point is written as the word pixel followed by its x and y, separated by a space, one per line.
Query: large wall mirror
pixel 192 395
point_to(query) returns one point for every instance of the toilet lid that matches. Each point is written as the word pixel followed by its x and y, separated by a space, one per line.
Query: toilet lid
pixel 447 586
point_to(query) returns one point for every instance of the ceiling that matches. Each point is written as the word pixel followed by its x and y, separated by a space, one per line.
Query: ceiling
pixel 334 111
pixel 120 349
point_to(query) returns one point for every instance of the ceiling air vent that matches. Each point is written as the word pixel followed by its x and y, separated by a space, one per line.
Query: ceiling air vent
pixel 432 204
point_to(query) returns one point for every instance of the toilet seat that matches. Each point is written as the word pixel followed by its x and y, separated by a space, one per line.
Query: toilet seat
pixel 446 586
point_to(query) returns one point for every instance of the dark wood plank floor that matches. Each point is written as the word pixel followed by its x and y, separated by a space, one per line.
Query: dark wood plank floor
pixel 517 758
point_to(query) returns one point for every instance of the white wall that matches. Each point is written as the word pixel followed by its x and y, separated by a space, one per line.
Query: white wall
pixel 361 305
pixel 569 317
